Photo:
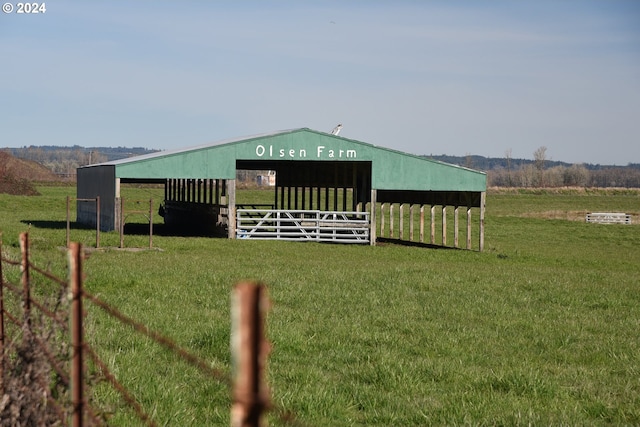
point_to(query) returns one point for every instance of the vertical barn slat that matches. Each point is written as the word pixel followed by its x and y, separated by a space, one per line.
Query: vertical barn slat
pixel 455 227
pixel 77 364
pixel 249 351
pixel 444 225
pixel 401 221
pixel 421 223
pixel 391 220
pixel 411 222
pixel 468 227
pixel 432 239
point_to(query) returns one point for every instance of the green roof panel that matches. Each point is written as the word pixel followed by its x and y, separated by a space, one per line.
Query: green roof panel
pixel 391 170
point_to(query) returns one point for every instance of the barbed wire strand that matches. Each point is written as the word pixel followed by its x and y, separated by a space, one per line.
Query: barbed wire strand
pixel 282 414
pixel 50 314
pixel 49 275
pixel 56 406
pixel 121 389
pixel 160 339
pixel 52 361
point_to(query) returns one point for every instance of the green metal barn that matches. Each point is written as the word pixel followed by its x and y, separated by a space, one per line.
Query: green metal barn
pixel 327 188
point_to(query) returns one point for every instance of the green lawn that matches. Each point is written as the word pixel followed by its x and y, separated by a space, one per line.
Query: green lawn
pixel 541 328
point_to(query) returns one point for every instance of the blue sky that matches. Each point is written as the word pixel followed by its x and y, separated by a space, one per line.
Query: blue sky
pixel 425 77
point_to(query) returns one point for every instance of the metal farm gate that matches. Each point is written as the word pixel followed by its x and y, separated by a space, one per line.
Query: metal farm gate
pixel 311 225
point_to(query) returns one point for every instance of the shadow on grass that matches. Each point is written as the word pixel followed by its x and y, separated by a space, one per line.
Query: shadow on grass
pixel 138 229
pixel 133 229
pixel 381 241
pixel 55 225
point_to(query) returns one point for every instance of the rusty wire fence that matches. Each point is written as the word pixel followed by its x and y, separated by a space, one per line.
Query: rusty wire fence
pixel 43 376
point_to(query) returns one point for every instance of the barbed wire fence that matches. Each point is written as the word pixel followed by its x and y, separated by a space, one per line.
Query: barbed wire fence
pixel 43 376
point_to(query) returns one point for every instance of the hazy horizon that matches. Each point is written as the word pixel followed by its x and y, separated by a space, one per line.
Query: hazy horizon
pixel 462 78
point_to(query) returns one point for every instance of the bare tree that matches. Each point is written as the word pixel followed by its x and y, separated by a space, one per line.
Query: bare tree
pixel 507 155
pixel 576 175
pixel 540 157
pixel 468 161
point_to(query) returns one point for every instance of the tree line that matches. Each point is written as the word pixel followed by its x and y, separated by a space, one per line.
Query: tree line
pixel 501 172
pixel 542 172
pixel 65 160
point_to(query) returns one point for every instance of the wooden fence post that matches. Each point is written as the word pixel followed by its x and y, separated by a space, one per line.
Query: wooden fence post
pixel 1 322
pixel 68 220
pixel 26 293
pixel 97 222
pixel 151 221
pixel 77 364
pixel 121 222
pixel 249 351
pixel 483 202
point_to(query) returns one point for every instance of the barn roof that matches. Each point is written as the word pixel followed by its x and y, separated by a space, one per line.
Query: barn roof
pixel 390 169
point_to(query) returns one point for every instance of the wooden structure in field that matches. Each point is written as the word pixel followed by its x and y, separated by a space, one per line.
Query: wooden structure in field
pixel 327 188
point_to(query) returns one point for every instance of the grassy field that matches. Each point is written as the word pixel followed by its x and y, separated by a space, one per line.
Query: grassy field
pixel 542 328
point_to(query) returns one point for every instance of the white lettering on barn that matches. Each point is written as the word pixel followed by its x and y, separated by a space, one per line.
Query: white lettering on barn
pixel 290 153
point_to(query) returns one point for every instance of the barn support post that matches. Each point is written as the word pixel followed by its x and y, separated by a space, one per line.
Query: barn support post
pixel 391 233
pixel 318 197
pixel 483 199
pixel 231 192
pixel 373 220
pixel 275 194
